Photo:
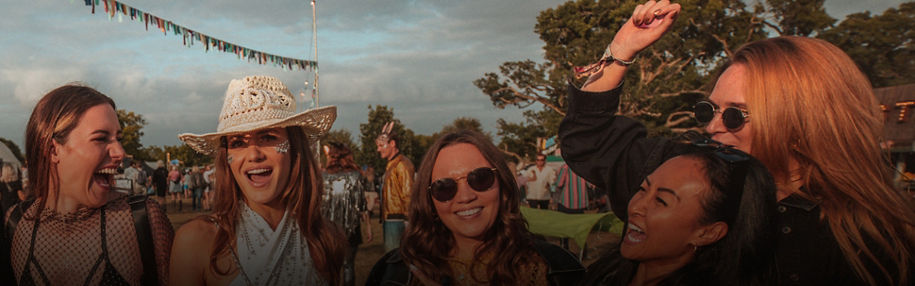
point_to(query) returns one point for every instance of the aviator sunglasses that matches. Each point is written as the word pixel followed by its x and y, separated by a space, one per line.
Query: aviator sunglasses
pixel 480 179
pixel 732 117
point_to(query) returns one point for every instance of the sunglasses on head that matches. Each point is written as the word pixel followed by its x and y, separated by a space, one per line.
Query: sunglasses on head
pixel 732 117
pixel 480 179
pixel 726 152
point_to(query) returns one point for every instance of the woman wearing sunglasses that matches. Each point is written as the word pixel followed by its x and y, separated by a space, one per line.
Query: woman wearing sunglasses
pixel 800 106
pixel 267 227
pixel 466 227
pixel 705 217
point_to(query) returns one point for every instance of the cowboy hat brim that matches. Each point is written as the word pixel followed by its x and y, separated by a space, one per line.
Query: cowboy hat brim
pixel 315 122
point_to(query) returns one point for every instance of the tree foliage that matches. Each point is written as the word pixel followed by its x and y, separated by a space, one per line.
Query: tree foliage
pixel 464 123
pixel 797 17
pixel 183 153
pixel 131 132
pixel 883 45
pixel 519 140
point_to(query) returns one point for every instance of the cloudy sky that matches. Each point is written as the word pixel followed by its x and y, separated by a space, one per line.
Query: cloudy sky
pixel 418 57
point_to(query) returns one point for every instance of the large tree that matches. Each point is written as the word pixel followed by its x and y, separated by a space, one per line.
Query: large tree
pixel 131 132
pixel 883 45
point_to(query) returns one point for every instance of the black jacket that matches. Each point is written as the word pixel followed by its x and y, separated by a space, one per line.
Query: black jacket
pixel 613 153
pixel 563 267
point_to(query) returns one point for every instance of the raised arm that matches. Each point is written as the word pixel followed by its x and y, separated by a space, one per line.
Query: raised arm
pixel 648 23
pixel 607 150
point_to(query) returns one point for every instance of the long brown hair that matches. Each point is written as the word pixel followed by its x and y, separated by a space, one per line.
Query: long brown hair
pixel 340 158
pixel 54 117
pixel 303 197
pixel 810 101
pixel 428 242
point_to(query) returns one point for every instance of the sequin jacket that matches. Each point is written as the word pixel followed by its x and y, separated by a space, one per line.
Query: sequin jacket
pixel 344 200
pixel 398 177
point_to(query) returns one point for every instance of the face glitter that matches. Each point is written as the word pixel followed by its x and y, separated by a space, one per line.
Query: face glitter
pixel 283 147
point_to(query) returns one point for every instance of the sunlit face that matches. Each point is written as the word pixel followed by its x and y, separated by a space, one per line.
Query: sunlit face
pixel 664 214
pixel 470 213
pixel 729 92
pixel 87 162
pixel 260 162
pixel 541 161
pixel 385 148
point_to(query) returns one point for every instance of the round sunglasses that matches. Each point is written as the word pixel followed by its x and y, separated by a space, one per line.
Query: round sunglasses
pixel 733 118
pixel 480 180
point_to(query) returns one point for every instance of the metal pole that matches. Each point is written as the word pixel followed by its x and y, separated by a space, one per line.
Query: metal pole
pixel 314 42
pixel 314 35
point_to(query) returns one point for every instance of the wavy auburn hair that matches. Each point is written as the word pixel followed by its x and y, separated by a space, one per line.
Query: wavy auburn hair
pixel 340 158
pixel 302 195
pixel 54 117
pixel 428 242
pixel 823 115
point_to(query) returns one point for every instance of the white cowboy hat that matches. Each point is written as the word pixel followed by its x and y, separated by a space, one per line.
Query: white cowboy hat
pixel 260 102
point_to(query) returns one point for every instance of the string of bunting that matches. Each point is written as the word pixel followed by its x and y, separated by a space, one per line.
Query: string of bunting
pixel 114 8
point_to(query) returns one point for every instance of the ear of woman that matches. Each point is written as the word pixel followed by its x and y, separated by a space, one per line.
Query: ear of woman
pixel 710 233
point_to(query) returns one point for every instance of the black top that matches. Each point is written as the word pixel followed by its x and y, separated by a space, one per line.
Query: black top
pixel 160 179
pixel 8 195
pixel 563 267
pixel 615 270
pixel 110 275
pixel 613 153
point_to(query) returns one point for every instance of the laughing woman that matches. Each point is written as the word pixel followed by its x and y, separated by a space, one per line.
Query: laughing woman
pixel 267 227
pixel 702 218
pixel 77 230
pixel 466 227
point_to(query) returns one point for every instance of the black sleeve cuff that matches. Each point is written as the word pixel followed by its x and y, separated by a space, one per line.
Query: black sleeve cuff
pixel 587 102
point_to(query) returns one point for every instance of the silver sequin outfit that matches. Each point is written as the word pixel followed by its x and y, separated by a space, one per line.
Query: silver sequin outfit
pixel 344 201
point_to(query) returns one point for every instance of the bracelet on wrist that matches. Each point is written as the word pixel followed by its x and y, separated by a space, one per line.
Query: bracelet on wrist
pixel 608 57
pixel 597 67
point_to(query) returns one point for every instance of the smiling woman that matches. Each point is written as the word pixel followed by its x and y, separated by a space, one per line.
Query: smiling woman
pixel 75 228
pixel 267 227
pixel 466 226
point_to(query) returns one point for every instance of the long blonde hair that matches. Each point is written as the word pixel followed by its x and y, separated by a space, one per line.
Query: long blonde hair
pixel 8 173
pixel 809 100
